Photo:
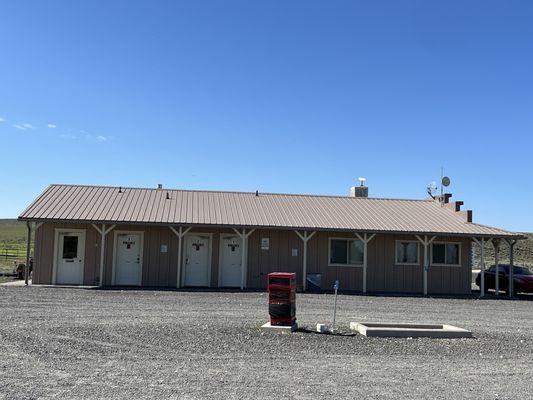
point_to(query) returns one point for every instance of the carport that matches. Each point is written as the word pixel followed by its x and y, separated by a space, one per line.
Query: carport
pixel 496 243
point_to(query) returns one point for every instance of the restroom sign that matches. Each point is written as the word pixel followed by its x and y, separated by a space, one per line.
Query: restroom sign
pixel 265 243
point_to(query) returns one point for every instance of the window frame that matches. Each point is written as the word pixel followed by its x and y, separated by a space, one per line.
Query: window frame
pixel 417 252
pixel 459 252
pixel 330 264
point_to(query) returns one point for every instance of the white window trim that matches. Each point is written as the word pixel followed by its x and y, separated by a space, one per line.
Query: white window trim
pixel 396 253
pixel 445 265
pixel 330 264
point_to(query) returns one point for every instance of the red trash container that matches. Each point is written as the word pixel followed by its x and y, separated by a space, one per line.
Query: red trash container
pixel 282 298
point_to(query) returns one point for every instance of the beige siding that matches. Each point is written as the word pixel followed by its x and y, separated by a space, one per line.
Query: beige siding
pixel 160 269
pixel 44 253
pixel 278 258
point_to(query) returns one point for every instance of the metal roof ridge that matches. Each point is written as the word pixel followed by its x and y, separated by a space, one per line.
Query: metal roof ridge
pixel 243 192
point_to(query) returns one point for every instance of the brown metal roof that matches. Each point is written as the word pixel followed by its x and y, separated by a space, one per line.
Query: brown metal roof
pixel 239 209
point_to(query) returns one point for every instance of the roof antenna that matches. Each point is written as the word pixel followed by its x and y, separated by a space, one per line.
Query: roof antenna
pixel 257 193
pixel 431 188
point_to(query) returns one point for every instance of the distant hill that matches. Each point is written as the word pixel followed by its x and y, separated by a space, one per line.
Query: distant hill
pixel 12 231
pixel 523 254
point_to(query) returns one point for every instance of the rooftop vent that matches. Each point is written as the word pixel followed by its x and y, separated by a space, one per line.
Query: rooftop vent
pixel 361 190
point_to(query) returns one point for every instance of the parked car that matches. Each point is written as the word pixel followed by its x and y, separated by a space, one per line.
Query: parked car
pixel 523 278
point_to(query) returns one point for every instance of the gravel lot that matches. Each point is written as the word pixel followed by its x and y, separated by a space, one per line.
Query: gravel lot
pixel 79 343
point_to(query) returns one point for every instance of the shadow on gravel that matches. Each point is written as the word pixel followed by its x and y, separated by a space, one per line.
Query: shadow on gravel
pixel 184 290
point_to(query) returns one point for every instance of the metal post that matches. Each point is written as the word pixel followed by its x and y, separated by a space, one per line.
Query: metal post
pixel 28 244
pixel 511 268
pixel 336 287
pixel 496 244
pixel 482 284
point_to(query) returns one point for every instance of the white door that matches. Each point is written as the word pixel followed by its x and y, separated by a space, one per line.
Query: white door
pixel 196 260
pixel 230 261
pixel 70 258
pixel 128 266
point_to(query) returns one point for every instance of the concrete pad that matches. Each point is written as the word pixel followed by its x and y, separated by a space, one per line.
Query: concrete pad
pixel 17 282
pixel 275 328
pixel 373 329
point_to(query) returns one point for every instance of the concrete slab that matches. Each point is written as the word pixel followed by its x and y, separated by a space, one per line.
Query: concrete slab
pixel 275 328
pixel 18 282
pixel 376 329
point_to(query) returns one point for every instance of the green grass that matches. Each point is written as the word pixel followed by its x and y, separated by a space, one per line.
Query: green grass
pixel 523 252
pixel 13 238
pixel 13 231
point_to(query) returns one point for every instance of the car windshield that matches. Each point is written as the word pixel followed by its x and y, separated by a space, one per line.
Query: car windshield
pixel 501 268
pixel 522 271
pixel 516 270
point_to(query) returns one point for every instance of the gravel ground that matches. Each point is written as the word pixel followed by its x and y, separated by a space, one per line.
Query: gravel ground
pixel 79 343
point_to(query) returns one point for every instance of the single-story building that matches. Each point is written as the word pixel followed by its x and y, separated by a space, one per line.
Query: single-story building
pixel 120 236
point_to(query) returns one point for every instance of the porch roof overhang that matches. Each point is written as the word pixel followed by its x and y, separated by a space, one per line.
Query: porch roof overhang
pixel 515 236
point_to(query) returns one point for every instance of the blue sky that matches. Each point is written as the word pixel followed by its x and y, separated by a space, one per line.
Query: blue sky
pixel 279 96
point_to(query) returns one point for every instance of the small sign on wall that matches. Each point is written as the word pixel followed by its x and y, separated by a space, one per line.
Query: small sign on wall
pixel 265 243
pixel 294 252
pixel 164 248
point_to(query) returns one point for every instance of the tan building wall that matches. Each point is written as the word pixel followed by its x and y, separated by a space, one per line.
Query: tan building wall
pixel 160 269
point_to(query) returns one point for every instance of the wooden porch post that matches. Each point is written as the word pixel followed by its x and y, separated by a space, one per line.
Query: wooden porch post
pixel 481 244
pixel 426 242
pixel 496 244
pixel 103 233
pixel 28 244
pixel 244 253
pixel 511 267
pixel 179 233
pixel 365 239
pixel 305 238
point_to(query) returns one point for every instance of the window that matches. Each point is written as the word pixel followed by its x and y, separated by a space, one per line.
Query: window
pixel 407 253
pixel 445 253
pixel 70 247
pixel 346 252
